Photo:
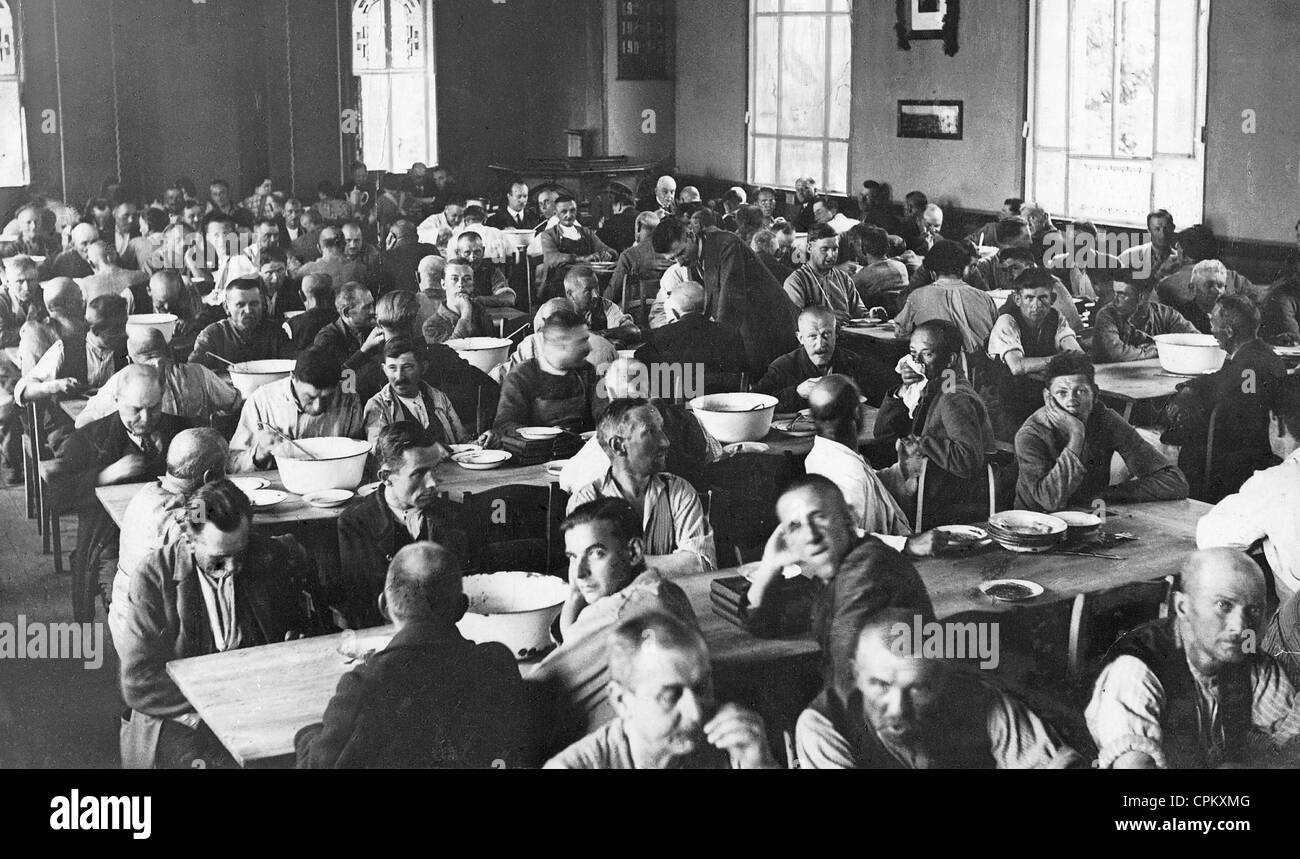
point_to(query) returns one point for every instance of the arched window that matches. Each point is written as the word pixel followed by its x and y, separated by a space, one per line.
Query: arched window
pixel 13 131
pixel 392 58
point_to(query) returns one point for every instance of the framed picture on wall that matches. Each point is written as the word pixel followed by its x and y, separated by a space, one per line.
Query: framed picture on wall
pixel 930 120
pixel 926 19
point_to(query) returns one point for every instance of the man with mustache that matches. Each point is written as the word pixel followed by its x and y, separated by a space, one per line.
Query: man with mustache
pixel 910 712
pixel 1195 691
pixel 661 687
pixel 791 377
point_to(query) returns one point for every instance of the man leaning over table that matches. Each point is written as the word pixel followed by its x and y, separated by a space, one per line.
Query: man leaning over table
pixel 609 581
pixel 1194 691
pixel 1065 449
pixel 1126 328
pixel 555 388
pixel 312 402
pixel 154 515
pixel 430 699
pixel 1264 508
pixel 661 687
pixel 220 587
pixel 918 712
pixel 677 536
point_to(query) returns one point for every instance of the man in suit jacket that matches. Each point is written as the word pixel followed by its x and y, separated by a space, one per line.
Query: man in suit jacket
pixel 220 587
pixel 399 269
pixel 403 510
pixel 619 229
pixel 430 699
pixel 515 215
pixel 695 341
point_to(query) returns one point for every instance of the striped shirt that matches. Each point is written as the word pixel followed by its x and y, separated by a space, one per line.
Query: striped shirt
pixel 673 517
pixel 835 289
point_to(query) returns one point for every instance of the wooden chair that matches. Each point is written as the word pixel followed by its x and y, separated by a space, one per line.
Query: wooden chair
pixel 37 472
pixel 639 307
pixel 1207 475
pixel 510 528
pixel 1097 620
pixel 742 501
pixel 991 490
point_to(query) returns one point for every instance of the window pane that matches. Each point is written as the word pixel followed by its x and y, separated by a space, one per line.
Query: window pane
pixel 1113 191
pixel 837 170
pixel 13 149
pixel 410 133
pixel 1134 128
pixel 408 34
pixel 1052 60
pixel 1178 187
pixel 1176 123
pixel 1092 74
pixel 767 5
pixel 1049 180
pixel 803 75
pixel 766 71
pixel 764 161
pixel 840 6
pixel 368 34
pixel 376 142
pixel 841 70
pixel 805 5
pixel 801 158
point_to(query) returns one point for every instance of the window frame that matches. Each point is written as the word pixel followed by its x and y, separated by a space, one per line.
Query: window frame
pixel 17 79
pixel 826 184
pixel 428 74
pixel 1071 211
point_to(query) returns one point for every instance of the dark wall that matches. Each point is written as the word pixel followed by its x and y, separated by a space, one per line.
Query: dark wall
pixel 712 87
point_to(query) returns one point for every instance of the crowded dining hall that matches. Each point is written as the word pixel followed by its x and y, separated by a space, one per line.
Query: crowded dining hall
pixel 765 384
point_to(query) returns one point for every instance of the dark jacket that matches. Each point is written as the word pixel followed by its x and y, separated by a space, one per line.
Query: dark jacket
pixel 502 220
pixel 791 370
pixel 305 326
pixel 338 338
pixel 742 293
pixel 429 700
pixel 369 537
pixel 266 341
pixel 94 447
pixel 167 619
pixel 399 269
pixel 694 340
pixel 778 269
pixel 533 397
pixel 619 231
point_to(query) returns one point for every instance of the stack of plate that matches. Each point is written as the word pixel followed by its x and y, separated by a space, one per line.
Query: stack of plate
pixel 1026 531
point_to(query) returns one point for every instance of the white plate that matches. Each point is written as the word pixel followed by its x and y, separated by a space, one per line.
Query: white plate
pixel 263 498
pixel 538 433
pixel 1032 589
pixel 329 497
pixel 1287 351
pixel 482 460
pixel 369 488
pixel 801 429
pixel 250 484
pixel 979 535
pixel 555 466
pixel 747 447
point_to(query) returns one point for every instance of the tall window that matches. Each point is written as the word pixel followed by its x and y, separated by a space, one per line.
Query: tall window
pixel 13 130
pixel 392 57
pixel 799 92
pixel 1117 104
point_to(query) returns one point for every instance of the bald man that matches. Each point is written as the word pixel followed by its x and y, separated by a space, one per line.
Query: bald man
pixel 707 355
pixel 603 353
pixel 154 515
pixel 921 713
pixel 110 278
pixel 128 446
pixel 791 377
pixel 73 262
pixel 317 292
pixel 664 202
pixel 190 391
pixel 402 257
pixel 1203 666
pixel 429 699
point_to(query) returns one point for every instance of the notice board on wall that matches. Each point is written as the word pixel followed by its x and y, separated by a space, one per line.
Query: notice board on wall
pixel 645 39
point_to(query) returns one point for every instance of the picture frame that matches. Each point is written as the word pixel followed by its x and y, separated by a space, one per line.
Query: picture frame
pixel 931 119
pixel 925 20
pixel 928 19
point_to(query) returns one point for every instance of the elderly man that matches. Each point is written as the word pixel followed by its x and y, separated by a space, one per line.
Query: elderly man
pixel 994 272
pixel 357 251
pixel 407 397
pixel 245 335
pixel 950 298
pixel 639 268
pixel 74 262
pixel 273 272
pixel 332 261
pixel 602 316
pixel 555 388
pixel 490 287
pixel 845 578
pixel 317 291
pixel 713 352
pixel 826 210
pixel 921 712
pixel 565 245
pixel 1065 449
pixel 677 535
pixel 221 203
pixel 354 332
pixel 664 202
pixel 496 247
pixel 30 242
pixel 109 277
pixel 1192 691
pixel 802 214
pixel 1238 393
pixel 437 228
pixel 456 310
pixel 763 244
pixel 936 419
pixel 20 297
pixel 156 514
pixel 602 354
pixel 1126 328
pixel 1028 333
pixel 430 699
pixel 190 391
pixel 609 581
pixel 837 414
pixel 305 246
pixel 402 255
pixel 430 292
pixel 791 377
pixel 309 403
pixel 127 446
pixel 818 283
pixel 928 222
pixel 1209 281
pixel 661 688
pixel 220 587
pixel 168 293
pixel 515 214
pixel 1263 509
pixel 1041 229
pixel 404 509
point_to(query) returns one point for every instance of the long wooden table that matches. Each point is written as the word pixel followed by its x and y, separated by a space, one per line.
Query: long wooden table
pixel 1136 381
pixel 291 511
